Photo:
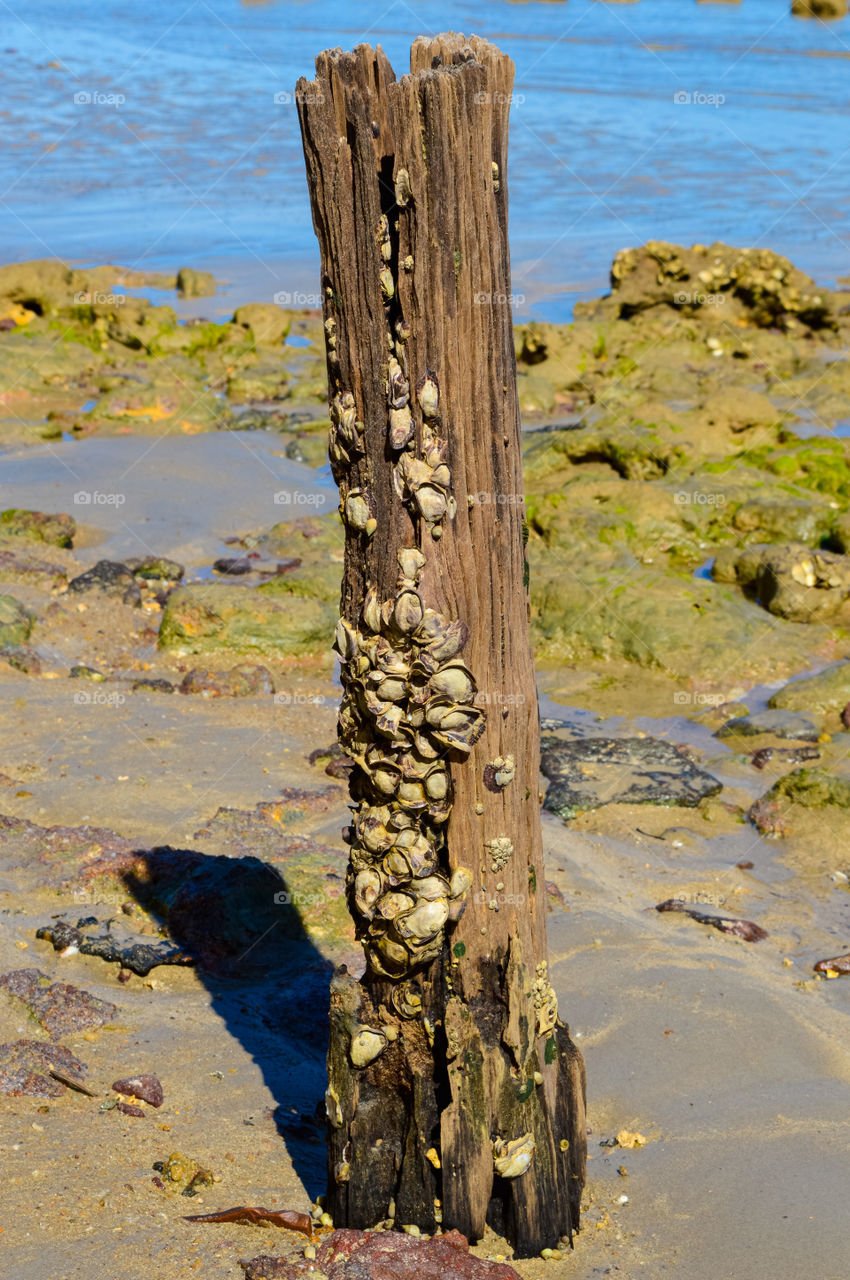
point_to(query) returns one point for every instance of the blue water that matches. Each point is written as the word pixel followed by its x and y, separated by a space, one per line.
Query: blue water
pixel 199 165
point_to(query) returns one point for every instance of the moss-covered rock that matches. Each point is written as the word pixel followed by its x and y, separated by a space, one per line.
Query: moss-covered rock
pixel 195 284
pixel 38 526
pixel 828 691
pixel 210 618
pixel 812 789
pixel 269 324
pixel 16 621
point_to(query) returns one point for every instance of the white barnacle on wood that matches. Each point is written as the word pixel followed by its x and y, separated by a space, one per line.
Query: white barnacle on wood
pixel 512 1159
pixel 501 850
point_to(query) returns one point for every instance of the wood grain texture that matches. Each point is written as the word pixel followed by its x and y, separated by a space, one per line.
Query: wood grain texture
pixel 428 153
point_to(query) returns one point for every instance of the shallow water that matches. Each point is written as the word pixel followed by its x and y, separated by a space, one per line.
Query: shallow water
pixel 199 164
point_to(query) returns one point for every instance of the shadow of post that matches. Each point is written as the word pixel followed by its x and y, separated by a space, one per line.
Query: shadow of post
pixel 266 979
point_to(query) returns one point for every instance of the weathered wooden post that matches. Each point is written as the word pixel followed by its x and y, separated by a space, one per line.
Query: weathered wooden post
pixel 455 1093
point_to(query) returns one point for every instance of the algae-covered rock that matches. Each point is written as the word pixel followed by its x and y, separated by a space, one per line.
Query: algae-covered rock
pixel 155 569
pixel 317 543
pixel 16 622
pixel 758 284
pixel 40 286
pixel 195 284
pixel 786 520
pixel 258 384
pixel 268 323
pixel 776 722
pixel 205 619
pixel 828 691
pixel 811 788
pixel 39 526
pixel 740 410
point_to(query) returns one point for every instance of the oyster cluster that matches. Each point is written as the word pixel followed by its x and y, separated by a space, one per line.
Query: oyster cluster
pixel 511 1158
pixel 422 478
pixel 408 704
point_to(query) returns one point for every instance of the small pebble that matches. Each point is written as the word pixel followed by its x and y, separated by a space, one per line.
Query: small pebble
pixel 326 1220
pixel 309 1252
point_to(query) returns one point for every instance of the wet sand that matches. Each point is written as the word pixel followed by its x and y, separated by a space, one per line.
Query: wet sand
pixel 730 1057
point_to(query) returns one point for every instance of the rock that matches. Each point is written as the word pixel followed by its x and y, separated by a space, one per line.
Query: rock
pixel 195 284
pixel 771 521
pixel 268 323
pixel 21 657
pixel 757 284
pixel 15 567
pixel 110 578
pixel 155 568
pixel 252 386
pixel 25 1068
pixel 152 684
pixel 59 1007
pixel 210 617
pixel 824 9
pixel 837 965
pixel 113 943
pixel 127 1109
pixel 592 772
pixel 790 581
pixel 778 723
pixel 146 1087
pixel 783 755
pixel 16 622
pixel 56 530
pixel 80 672
pixel 40 286
pixel 811 789
pixel 739 410
pixel 385 1255
pixel 826 692
pixel 245 681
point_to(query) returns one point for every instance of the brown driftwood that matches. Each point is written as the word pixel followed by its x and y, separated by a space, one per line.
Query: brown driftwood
pixel 455 1093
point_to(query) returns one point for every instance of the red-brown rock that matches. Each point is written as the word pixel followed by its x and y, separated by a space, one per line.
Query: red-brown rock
pixel 385 1255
